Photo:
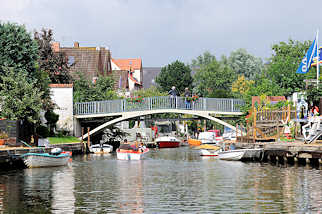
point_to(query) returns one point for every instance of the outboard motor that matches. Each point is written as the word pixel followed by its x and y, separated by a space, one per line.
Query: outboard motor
pixel 56 151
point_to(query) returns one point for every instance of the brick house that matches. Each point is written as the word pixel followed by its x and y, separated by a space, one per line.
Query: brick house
pixel 91 61
pixel 128 73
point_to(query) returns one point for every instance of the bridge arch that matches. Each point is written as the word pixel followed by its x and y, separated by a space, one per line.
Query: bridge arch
pixel 134 114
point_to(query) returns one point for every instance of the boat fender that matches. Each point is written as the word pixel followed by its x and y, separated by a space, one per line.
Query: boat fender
pixel 56 151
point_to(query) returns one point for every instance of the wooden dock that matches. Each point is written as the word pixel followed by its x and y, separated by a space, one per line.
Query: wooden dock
pixel 288 152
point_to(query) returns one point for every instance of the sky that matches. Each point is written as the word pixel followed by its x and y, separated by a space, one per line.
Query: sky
pixel 162 31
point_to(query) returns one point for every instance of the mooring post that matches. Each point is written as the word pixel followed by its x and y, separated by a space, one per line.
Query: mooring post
pixel 83 139
pixel 88 138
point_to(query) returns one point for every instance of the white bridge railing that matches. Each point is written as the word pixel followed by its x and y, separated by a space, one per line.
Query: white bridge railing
pixel 156 103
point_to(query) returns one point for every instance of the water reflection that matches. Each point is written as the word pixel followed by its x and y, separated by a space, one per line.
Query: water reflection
pixel 167 181
pixel 130 180
pixel 53 187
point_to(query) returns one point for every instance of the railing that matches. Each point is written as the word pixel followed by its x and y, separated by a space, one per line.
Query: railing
pixel 155 103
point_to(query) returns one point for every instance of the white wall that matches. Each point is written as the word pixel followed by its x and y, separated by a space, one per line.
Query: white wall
pixel 62 96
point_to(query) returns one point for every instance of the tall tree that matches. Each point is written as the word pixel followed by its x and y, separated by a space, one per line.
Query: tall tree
pixel 20 99
pixel 283 65
pixel 214 80
pixel 175 74
pixel 55 64
pixel 245 64
pixel 202 60
pixel 17 49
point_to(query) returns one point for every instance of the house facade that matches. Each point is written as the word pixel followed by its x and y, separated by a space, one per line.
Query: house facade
pixel 128 73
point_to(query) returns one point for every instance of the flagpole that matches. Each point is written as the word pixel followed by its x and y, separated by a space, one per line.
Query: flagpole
pixel 317 60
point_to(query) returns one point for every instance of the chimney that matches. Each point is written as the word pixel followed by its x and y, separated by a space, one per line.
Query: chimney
pixel 55 46
pixel 76 44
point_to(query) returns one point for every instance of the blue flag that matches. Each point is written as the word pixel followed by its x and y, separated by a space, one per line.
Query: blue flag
pixel 308 59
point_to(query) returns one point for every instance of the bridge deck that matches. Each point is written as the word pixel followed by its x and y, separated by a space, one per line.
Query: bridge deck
pixel 218 105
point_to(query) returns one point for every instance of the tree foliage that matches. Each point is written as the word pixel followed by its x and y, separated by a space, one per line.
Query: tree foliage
pixel 203 60
pixel 214 80
pixel 17 49
pixel 284 62
pixel 86 91
pixel 150 92
pixel 175 74
pixel 243 63
pixel 19 98
pixel 55 64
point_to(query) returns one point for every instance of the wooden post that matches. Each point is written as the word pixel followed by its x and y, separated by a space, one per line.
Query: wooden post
pixel 236 131
pixel 88 138
pixel 84 149
pixel 254 125
pixel 288 113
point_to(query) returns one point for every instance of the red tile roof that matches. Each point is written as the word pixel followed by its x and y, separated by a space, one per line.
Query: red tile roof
pixel 128 64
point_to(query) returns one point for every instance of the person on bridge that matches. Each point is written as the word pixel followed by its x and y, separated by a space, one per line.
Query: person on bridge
pixel 187 96
pixel 173 96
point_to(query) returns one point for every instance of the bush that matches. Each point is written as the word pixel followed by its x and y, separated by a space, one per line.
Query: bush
pixel 43 131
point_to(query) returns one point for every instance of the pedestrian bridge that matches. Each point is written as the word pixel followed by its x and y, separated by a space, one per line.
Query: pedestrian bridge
pixel 125 109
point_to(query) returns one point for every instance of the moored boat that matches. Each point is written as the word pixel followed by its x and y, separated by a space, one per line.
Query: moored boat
pixel 167 142
pixel 232 154
pixel 101 148
pixel 55 158
pixel 194 142
pixel 123 154
pixel 209 150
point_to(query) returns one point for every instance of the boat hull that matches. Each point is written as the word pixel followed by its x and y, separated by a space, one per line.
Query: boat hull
pixel 130 154
pixel 232 155
pixel 194 142
pixel 167 142
pixel 34 160
pixel 207 152
pixel 101 150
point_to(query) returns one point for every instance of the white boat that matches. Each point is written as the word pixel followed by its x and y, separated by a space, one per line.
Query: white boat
pixel 209 138
pixel 232 154
pixel 239 154
pixel 122 154
pixel 55 158
pixel 101 148
pixel 208 152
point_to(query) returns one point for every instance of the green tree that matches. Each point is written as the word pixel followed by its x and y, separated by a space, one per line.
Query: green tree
pixel 175 74
pixel 55 64
pixel 214 80
pixel 202 60
pixel 86 91
pixel 243 63
pixel 284 62
pixel 19 98
pixel 17 49
pixel 150 92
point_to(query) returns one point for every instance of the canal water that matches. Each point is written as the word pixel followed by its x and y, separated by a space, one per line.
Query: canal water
pixel 174 180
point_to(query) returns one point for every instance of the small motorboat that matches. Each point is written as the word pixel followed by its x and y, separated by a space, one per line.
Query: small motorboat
pixel 194 142
pixel 167 142
pixel 56 157
pixel 209 150
pixel 123 154
pixel 232 154
pixel 101 148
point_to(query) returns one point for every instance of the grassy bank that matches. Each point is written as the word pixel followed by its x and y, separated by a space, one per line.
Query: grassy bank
pixel 61 140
